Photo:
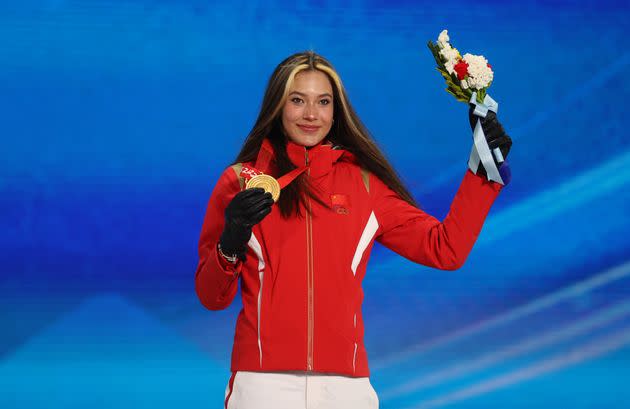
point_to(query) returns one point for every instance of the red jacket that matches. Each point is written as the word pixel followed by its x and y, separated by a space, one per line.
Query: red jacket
pixel 301 282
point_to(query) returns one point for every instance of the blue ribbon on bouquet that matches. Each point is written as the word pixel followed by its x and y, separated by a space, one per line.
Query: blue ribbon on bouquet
pixel 480 150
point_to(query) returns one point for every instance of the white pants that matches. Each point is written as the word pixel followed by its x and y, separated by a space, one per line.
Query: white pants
pixel 298 390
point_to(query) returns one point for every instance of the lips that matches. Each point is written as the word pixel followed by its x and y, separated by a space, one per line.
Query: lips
pixel 307 128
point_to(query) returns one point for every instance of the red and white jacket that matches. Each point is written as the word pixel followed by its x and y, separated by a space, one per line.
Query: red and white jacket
pixel 301 282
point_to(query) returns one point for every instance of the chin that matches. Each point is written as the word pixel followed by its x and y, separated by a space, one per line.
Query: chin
pixel 308 142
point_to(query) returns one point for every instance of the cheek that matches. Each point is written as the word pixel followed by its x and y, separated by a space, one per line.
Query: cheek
pixel 327 115
pixel 290 113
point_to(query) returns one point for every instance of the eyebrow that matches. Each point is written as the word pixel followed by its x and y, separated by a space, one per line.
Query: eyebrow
pixel 303 94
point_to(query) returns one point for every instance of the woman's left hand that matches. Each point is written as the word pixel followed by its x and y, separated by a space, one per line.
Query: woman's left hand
pixel 494 132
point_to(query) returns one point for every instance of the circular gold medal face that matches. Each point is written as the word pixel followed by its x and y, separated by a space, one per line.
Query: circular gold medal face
pixel 266 182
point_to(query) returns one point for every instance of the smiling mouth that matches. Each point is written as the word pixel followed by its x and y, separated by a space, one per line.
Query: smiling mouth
pixel 308 128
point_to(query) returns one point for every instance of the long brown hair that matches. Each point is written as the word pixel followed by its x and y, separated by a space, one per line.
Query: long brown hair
pixel 347 131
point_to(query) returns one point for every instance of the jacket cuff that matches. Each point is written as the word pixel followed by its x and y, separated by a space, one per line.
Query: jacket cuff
pixel 505 172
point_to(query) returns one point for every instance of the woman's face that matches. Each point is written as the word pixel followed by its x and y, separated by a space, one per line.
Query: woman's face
pixel 308 112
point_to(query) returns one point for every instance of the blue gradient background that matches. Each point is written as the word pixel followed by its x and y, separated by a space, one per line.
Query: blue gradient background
pixel 117 118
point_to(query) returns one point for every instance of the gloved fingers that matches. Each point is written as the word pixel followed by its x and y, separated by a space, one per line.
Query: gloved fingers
pixel 491 116
pixel 255 200
pixel 257 207
pixel 244 200
pixel 500 141
pixel 491 124
pixel 506 146
pixel 249 193
pixel 257 217
pixel 488 123
pixel 237 227
pixel 493 135
pixel 265 197
pixel 242 217
pixel 249 213
pixel 503 143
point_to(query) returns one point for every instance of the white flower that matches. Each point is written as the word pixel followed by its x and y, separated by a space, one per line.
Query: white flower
pixel 449 53
pixel 443 38
pixel 449 66
pixel 464 84
pixel 479 74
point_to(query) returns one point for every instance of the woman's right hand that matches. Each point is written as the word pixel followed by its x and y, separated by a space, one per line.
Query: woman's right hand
pixel 245 210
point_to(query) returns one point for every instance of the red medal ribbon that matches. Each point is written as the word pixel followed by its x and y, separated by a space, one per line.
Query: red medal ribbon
pixel 249 172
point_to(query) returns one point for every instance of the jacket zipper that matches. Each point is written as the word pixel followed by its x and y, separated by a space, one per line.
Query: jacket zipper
pixel 309 276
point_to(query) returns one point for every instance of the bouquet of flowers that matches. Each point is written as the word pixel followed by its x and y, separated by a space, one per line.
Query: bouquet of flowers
pixel 463 75
pixel 467 79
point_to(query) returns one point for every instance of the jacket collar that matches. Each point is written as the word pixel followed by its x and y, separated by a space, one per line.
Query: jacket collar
pixel 321 157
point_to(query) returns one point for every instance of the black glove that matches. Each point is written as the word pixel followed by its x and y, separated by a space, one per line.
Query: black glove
pixel 246 209
pixel 494 132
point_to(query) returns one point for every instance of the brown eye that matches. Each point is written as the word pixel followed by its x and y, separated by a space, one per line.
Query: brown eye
pixel 324 101
pixel 296 100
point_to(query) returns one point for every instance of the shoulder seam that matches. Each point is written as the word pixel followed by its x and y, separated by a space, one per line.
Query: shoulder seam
pixel 237 170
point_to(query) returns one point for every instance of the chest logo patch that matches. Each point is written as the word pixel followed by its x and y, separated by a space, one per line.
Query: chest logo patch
pixel 340 203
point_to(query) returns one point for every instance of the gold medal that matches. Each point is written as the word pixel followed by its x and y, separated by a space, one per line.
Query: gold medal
pixel 269 183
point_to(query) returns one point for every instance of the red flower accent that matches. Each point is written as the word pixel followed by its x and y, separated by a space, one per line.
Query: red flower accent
pixel 461 68
pixel 489 66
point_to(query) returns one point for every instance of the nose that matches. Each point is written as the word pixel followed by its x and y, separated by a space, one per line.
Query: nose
pixel 309 113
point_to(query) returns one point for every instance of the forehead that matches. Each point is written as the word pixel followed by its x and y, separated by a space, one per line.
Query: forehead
pixel 311 82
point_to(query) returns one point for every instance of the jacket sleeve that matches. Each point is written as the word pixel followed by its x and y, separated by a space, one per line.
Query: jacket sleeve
pixel 422 238
pixel 216 280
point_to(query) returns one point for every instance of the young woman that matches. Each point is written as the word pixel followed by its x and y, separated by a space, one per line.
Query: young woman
pixel 301 259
